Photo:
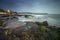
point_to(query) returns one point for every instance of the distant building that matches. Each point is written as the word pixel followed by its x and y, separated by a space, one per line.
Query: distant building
pixel 2 12
pixel 8 12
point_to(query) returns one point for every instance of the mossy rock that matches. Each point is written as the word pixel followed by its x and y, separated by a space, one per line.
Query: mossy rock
pixel 44 28
pixel 45 23
pixel 4 24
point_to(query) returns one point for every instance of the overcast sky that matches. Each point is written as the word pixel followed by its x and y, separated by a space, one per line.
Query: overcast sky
pixel 40 6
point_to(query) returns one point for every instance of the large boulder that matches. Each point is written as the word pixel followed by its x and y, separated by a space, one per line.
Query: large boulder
pixel 45 23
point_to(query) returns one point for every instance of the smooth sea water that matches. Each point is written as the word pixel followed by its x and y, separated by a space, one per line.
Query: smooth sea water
pixel 54 19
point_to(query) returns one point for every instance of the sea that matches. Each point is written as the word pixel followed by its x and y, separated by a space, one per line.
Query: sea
pixel 52 19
